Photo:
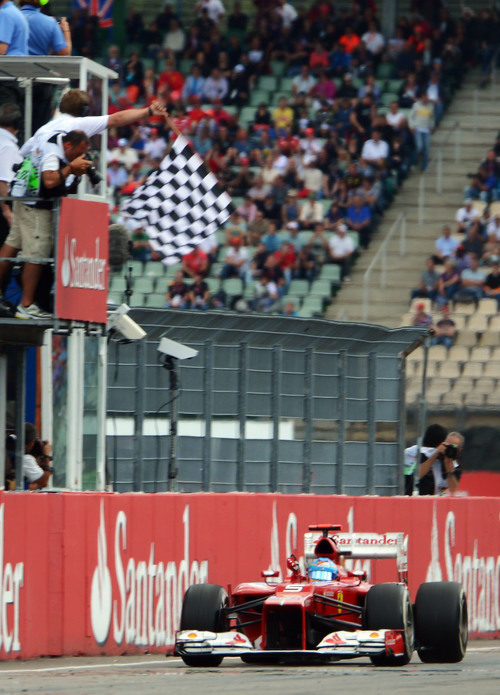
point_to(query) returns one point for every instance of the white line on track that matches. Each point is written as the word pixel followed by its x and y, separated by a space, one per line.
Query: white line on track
pixel 130 664
pixel 83 667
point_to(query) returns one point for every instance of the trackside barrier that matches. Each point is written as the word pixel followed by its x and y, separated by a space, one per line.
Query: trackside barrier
pixel 92 573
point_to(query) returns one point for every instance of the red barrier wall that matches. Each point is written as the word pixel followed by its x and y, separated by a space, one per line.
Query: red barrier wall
pixel 103 573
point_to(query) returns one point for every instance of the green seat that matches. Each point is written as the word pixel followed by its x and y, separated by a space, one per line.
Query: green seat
pixel 259 96
pixel 387 97
pixel 276 96
pixel 143 284
pixel 355 237
pixel 137 299
pixel 268 83
pixel 278 67
pixel 232 286
pixel 148 63
pixel 185 66
pixel 117 283
pixel 394 85
pixel 384 71
pixel 330 272
pixel 115 297
pixel 153 269
pixel 314 303
pixel 247 116
pixel 286 84
pixel 297 301
pixel 305 312
pixel 137 268
pixel 213 284
pixel 320 288
pixel 155 300
pixel 299 288
pixel 305 235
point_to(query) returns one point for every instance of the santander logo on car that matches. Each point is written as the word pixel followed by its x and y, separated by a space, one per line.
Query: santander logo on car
pixel 138 601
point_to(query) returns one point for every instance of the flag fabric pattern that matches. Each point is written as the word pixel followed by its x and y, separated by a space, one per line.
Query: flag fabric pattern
pixel 180 204
pixel 103 9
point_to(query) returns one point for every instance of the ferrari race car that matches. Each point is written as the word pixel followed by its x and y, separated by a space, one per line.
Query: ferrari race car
pixel 328 612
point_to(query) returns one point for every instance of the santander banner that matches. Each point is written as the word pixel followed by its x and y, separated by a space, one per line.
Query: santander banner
pixel 82 261
pixel 106 573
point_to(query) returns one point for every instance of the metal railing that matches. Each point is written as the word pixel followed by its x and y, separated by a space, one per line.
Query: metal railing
pixel 399 225
pixel 437 161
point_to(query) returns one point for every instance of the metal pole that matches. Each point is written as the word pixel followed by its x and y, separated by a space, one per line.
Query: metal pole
pixel 139 393
pixel 102 379
pixel 3 414
pixel 28 107
pixel 421 200
pixel 170 364
pixel 275 414
pixel 308 419
pixel 401 425
pixel 20 414
pixel 342 416
pixel 47 405
pixel 206 473
pixel 371 414
pixel 242 414
pixel 74 410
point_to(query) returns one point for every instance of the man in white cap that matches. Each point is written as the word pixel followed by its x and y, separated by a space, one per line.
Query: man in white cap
pixel 124 154
pixel 465 216
pixel 341 249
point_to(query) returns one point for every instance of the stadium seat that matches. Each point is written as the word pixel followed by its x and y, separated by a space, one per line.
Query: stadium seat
pixel 495 355
pixel 321 288
pixel 466 337
pixel 492 369
pixel 473 369
pixel 117 283
pixel 458 353
pixel 299 287
pixel 474 398
pixel 137 299
pixel 384 71
pixel 278 67
pixel 438 353
pixel 488 305
pixel 258 96
pixel 490 337
pixel 485 385
pixel 494 324
pixel 153 269
pixel 232 287
pixel 480 354
pixel 155 300
pixel 268 83
pixel 450 370
pixel 144 284
pixel 477 322
pixel 331 272
pixel 493 398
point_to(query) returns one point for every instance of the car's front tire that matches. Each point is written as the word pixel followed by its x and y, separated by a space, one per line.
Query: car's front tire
pixel 388 606
pixel 202 609
pixel 441 622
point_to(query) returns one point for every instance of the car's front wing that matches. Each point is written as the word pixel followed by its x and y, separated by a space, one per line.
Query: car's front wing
pixel 343 644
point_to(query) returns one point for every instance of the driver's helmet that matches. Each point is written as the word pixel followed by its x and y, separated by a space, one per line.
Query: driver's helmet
pixel 322 570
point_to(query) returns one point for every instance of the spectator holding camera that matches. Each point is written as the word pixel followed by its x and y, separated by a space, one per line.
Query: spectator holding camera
pixel 37 459
pixel 440 471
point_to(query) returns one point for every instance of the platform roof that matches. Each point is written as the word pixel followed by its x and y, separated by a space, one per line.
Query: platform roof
pixel 70 67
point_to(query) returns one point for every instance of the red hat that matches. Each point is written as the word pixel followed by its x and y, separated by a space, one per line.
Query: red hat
pixel 309 131
pixel 244 161
pixel 420 306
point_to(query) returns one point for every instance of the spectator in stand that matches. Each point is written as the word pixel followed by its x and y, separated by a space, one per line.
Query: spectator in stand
pixel 359 219
pixel 290 211
pixel 324 93
pixel 422 122
pixel 373 40
pixel 409 92
pixel 445 329
pixel 312 178
pixel 319 59
pixel 349 40
pixel 272 241
pixel 303 83
pixel 198 294
pixel 125 154
pixel 235 228
pixel 491 249
pixel 445 246
pixel 155 146
pixel 310 146
pixel 340 249
pixel 282 117
pixel 465 216
pixel 267 297
pixel 347 89
pixel 370 88
pixel 196 263
pixel 311 212
pixel 193 86
pixel 285 259
pixel 448 283
pixel 216 87
pixel 289 309
pixel 421 318
pixel 175 38
pixel 434 92
pixel 287 13
pixel 134 76
pixel 248 209
pixel 117 175
pixel 492 283
pixel 257 229
pixel 473 242
pixel 375 151
pixel 214 9
pixel 306 264
pixel 259 190
pixel 236 263
pixel 237 21
pixel 271 209
pixel 176 295
pixel 10 122
pixel 472 280
pixel 428 285
pixel 395 118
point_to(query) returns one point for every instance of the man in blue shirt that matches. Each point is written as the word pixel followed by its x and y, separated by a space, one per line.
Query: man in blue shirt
pixel 13 30
pixel 46 35
pixel 359 218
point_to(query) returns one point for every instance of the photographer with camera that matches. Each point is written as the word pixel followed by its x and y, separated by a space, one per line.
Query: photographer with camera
pixel 37 459
pixel 52 172
pixel 440 471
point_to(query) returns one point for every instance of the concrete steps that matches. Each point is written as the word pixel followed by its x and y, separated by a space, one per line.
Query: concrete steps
pixel 475 124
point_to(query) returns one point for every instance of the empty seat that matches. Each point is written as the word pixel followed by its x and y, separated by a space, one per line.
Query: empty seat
pixel 459 320
pixel 492 369
pixel 473 369
pixel 458 353
pixel 434 396
pixel 154 269
pixel 480 354
pixel 464 308
pixel 437 353
pixel 144 285
pixel 494 324
pixel 487 305
pixel 485 384
pixel 299 287
pixel 490 338
pixel 493 398
pixel 495 354
pixel 477 322
pixel 451 370
pixel 452 397
pixel 466 337
pixel 463 384
pixel 474 398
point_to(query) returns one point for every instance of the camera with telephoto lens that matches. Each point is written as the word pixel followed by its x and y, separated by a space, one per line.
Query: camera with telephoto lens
pixel 92 173
pixel 451 451
pixel 43 459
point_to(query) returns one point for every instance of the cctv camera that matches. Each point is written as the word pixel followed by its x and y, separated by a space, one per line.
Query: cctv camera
pixel 120 322
pixel 172 349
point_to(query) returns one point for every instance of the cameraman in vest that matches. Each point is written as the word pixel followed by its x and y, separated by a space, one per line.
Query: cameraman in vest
pixel 441 471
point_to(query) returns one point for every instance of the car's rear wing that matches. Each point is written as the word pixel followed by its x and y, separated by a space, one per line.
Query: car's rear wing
pixel 364 546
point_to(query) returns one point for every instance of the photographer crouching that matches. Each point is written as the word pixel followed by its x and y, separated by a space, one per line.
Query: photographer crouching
pixel 440 471
pixel 53 171
pixel 37 459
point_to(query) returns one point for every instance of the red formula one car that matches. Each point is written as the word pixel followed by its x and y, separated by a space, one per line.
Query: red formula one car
pixel 328 612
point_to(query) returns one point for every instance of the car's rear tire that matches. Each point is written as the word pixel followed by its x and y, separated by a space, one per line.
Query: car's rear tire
pixel 389 606
pixel 202 610
pixel 441 623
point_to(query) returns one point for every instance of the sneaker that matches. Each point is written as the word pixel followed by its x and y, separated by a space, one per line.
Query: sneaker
pixel 7 310
pixel 31 312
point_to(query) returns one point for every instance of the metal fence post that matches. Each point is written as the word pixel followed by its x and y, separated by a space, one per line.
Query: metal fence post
pixel 371 415
pixel 242 414
pixel 206 472
pixel 276 369
pixel 341 429
pixel 140 364
pixel 401 426
pixel 308 420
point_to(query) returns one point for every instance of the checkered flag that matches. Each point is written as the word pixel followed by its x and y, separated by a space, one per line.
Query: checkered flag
pixel 180 204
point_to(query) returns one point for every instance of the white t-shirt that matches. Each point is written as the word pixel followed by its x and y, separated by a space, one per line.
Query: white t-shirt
pixel 215 9
pixel 374 41
pixel 9 155
pixel 91 125
pixel 341 246
pixel 235 255
pixel 375 150
pixel 465 216
pixel 155 148
pixel 493 228
pixel 31 469
pixel 288 15
pixel 394 119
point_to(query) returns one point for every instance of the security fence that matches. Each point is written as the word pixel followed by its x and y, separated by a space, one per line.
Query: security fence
pixel 268 404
